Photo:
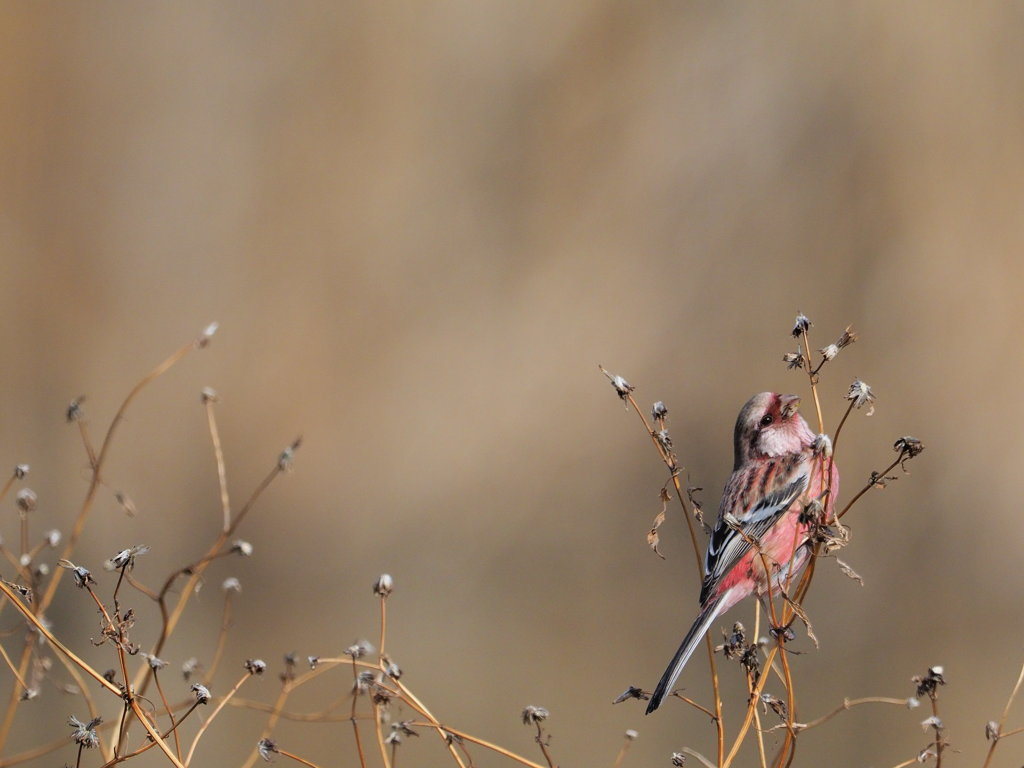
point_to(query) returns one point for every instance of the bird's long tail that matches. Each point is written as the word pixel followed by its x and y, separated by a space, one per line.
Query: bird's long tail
pixel 711 611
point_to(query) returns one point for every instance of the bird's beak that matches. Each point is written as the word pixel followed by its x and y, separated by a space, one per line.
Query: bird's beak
pixel 789 404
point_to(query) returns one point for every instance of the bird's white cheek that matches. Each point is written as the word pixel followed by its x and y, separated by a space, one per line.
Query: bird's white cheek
pixel 774 442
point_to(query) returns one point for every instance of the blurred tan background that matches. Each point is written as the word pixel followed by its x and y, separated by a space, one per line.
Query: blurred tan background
pixel 421 227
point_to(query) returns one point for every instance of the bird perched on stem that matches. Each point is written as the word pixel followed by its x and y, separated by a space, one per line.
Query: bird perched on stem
pixel 776 474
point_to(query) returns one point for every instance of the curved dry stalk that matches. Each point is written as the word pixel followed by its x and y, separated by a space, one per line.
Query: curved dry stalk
pixel 1002 719
pixel 213 715
pixel 480 742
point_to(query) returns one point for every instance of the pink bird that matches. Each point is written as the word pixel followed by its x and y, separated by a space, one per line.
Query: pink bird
pixel 775 474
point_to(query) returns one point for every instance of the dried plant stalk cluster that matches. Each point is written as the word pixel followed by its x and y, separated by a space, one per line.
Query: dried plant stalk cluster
pixel 767 716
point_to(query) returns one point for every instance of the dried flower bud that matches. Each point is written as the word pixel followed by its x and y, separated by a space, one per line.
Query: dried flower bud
pixel 363 682
pixel 21 471
pixel 314 661
pixel 631 735
pixel 231 584
pixel 393 671
pixel 256 666
pixel 206 335
pixel 26 500
pixel 860 394
pixel 155 663
pixel 53 538
pixel 266 748
pixel 383 586
pixel 659 412
pixel 241 547
pixel 201 692
pixel 534 715
pixel 208 395
pixel 913 703
pixel 991 731
pixel 801 326
pixel 678 759
pixel 74 411
pixel 932 722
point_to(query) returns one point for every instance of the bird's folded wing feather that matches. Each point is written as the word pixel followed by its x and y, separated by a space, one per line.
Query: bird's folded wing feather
pixel 733 535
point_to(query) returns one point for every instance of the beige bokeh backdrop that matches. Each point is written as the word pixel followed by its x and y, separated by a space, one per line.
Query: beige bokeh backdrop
pixel 421 227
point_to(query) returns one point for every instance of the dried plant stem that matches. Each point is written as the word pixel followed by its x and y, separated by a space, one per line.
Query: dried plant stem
pixel 14 669
pixel 812 376
pixel 222 638
pixel 355 722
pixel 622 753
pixel 441 730
pixel 296 758
pixel 213 715
pixel 218 453
pixel 670 461
pixel 170 714
pixel 543 746
pixel 756 695
pixel 1002 719
pixel 480 742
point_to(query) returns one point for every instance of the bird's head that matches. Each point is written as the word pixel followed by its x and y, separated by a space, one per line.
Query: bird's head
pixel 770 425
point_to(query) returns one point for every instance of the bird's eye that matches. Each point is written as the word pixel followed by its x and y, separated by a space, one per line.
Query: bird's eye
pixel 766 420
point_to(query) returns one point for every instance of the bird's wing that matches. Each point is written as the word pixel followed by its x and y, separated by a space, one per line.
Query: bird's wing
pixel 733 534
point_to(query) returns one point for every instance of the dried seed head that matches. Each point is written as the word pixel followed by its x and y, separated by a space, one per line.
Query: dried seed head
pixel 74 411
pixel 82 576
pixel 256 666
pixel 287 457
pixel 126 557
pixel 664 440
pixel 927 685
pixel 266 748
pixel 206 335
pixel 231 584
pixel 189 667
pixel 533 715
pixel 632 693
pixel 85 733
pixel 908 447
pixel 359 649
pixel 678 759
pixel 126 503
pixel 932 722
pixel 383 586
pixel 363 682
pixel 52 538
pixel 208 395
pixel 659 412
pixel 393 671
pixel 155 663
pixel 793 359
pixel 991 730
pixel 631 735
pixel 241 547
pixel 860 394
pixel 21 471
pixel 314 661
pixel 26 500
pixel 201 692
pixel 822 446
pixel 913 703
pixel 802 325
pixel 829 352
